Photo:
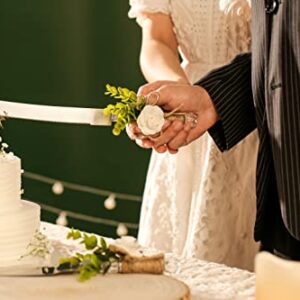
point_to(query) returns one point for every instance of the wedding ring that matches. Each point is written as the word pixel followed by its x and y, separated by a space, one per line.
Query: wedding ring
pixel 156 96
pixel 191 118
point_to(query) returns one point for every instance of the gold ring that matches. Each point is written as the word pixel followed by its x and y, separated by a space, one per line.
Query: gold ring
pixel 153 94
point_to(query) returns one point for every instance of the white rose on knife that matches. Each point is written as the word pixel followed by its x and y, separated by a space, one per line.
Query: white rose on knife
pixel 151 119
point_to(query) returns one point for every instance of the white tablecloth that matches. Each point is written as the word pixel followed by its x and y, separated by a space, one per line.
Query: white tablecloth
pixel 207 281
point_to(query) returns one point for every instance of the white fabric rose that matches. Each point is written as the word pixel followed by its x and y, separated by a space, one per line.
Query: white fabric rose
pixel 151 119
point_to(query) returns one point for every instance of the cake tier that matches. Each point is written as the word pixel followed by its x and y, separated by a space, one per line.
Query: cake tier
pixel 16 231
pixel 10 181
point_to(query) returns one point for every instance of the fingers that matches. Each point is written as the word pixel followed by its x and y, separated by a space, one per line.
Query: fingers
pixel 144 143
pixel 165 148
pixel 133 130
pixel 172 151
pixel 179 140
pixel 135 134
pixel 166 125
pixel 176 136
pixel 161 149
pixel 130 132
pixel 168 134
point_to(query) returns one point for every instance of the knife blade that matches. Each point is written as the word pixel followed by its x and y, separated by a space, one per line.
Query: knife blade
pixel 32 271
pixel 49 113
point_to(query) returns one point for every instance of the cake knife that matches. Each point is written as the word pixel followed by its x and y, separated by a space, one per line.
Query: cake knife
pixel 32 271
pixel 48 113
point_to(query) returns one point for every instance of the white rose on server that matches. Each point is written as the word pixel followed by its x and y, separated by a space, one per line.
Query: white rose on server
pixel 151 119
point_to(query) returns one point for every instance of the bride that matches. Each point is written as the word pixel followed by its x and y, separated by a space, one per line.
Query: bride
pixel 198 202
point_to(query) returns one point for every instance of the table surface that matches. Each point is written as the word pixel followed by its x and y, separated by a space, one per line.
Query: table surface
pixel 207 281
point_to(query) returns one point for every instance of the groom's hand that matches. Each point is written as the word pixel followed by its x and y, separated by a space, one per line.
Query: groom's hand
pixel 185 98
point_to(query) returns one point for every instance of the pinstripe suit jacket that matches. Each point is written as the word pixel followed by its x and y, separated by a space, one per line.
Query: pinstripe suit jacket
pixel 270 102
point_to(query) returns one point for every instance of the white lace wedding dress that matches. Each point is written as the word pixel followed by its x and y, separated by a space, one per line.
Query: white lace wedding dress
pixel 201 202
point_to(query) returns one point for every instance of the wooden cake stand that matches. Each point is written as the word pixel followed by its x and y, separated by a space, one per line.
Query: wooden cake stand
pixel 108 287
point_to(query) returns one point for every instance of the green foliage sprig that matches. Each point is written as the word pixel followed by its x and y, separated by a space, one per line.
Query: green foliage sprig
pixel 97 261
pixel 126 109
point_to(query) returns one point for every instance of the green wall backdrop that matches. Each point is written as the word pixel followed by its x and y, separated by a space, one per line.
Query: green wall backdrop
pixel 63 52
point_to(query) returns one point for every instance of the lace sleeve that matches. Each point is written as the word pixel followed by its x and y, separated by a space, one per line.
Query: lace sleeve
pixel 137 7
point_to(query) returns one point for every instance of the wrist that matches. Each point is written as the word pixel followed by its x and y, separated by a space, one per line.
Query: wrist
pixel 207 108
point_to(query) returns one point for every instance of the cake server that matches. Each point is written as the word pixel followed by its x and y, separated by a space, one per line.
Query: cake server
pixel 48 113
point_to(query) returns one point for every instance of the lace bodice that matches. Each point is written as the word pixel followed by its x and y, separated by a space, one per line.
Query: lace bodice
pixel 209 32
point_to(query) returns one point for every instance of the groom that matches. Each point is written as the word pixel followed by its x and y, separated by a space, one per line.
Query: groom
pixel 232 101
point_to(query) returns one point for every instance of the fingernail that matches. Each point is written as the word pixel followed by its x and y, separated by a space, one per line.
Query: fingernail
pixel 173 151
pixel 147 144
pixel 161 149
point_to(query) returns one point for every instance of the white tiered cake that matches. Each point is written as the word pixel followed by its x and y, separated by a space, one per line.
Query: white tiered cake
pixel 19 219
